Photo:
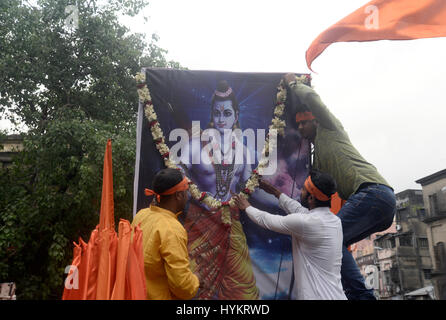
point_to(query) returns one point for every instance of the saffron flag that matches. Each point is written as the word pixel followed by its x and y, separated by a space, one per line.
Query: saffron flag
pixel 107 235
pixel 106 219
pixel 385 20
pixel 107 267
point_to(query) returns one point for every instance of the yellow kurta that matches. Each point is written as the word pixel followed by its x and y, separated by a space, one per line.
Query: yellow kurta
pixel 166 259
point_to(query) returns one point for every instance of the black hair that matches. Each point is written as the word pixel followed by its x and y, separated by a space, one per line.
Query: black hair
pixel 222 87
pixel 325 183
pixel 166 179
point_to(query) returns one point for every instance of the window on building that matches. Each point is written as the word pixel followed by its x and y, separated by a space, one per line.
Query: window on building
pixel 403 214
pixel 433 201
pixel 392 243
pixel 427 274
pixel 378 243
pixel 440 256
pixel 421 214
pixel 423 243
pixel 385 243
pixel 406 240
pixel 386 279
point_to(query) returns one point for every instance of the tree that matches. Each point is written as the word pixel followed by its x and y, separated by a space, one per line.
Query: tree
pixel 72 88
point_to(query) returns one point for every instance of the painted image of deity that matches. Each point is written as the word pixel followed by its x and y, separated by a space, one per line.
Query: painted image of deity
pixel 225 117
pixel 219 254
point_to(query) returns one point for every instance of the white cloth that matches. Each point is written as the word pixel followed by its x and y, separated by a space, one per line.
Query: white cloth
pixel 317 247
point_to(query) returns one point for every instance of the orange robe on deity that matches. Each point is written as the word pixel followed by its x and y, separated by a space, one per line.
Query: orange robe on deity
pixel 219 254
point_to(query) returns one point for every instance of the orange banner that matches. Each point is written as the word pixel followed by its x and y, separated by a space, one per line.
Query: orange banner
pixel 385 20
pixel 108 267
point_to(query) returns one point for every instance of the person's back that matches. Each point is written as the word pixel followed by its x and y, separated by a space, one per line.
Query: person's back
pixel 370 202
pixel 316 233
pixel 333 151
pixel 319 255
pixel 160 227
pixel 166 259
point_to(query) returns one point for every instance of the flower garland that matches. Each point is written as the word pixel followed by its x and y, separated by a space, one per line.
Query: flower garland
pixel 277 124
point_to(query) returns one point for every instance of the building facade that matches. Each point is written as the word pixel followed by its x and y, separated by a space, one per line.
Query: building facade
pixel 401 258
pixel 364 253
pixel 11 144
pixel 434 197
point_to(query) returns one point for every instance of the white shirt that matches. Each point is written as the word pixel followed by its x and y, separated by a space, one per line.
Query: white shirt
pixel 317 247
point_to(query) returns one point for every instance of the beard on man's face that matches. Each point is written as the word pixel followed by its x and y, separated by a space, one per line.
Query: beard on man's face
pixel 182 217
pixel 304 201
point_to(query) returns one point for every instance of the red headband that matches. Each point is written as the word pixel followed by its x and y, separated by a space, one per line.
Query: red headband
pixel 301 116
pixel 181 186
pixel 309 185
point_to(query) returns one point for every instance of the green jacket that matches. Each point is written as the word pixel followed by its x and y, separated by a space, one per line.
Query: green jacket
pixel 333 151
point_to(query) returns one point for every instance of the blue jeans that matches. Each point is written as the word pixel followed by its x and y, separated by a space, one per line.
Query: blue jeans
pixel 371 209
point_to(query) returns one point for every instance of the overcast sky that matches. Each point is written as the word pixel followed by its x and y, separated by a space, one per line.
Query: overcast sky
pixel 389 95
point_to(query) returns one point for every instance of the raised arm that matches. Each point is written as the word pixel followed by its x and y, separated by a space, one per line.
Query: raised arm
pixel 291 206
pixel 291 224
pixel 312 100
pixel 285 202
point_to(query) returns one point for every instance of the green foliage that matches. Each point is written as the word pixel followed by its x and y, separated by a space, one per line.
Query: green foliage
pixel 73 90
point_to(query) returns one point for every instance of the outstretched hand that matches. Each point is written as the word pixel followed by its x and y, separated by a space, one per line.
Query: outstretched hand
pixel 289 77
pixel 241 202
pixel 269 188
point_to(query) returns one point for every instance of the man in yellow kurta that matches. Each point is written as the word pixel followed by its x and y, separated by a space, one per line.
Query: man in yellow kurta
pixel 166 259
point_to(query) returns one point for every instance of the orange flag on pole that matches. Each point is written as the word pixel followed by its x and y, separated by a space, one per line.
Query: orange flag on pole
pixel 125 231
pixel 107 267
pixel 107 234
pixel 135 276
pixel 106 218
pixel 385 20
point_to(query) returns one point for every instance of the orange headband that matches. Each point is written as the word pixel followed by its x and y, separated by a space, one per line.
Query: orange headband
pixel 181 186
pixel 309 185
pixel 301 116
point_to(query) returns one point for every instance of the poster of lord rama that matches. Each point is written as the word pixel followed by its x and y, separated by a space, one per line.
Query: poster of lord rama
pixel 215 124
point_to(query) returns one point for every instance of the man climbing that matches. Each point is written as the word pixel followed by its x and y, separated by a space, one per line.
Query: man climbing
pixel 370 201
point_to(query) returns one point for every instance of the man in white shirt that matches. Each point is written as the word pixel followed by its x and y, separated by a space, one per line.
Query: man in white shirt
pixel 316 235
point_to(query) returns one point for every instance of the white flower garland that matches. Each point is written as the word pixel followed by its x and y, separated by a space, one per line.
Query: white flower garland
pixel 252 183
